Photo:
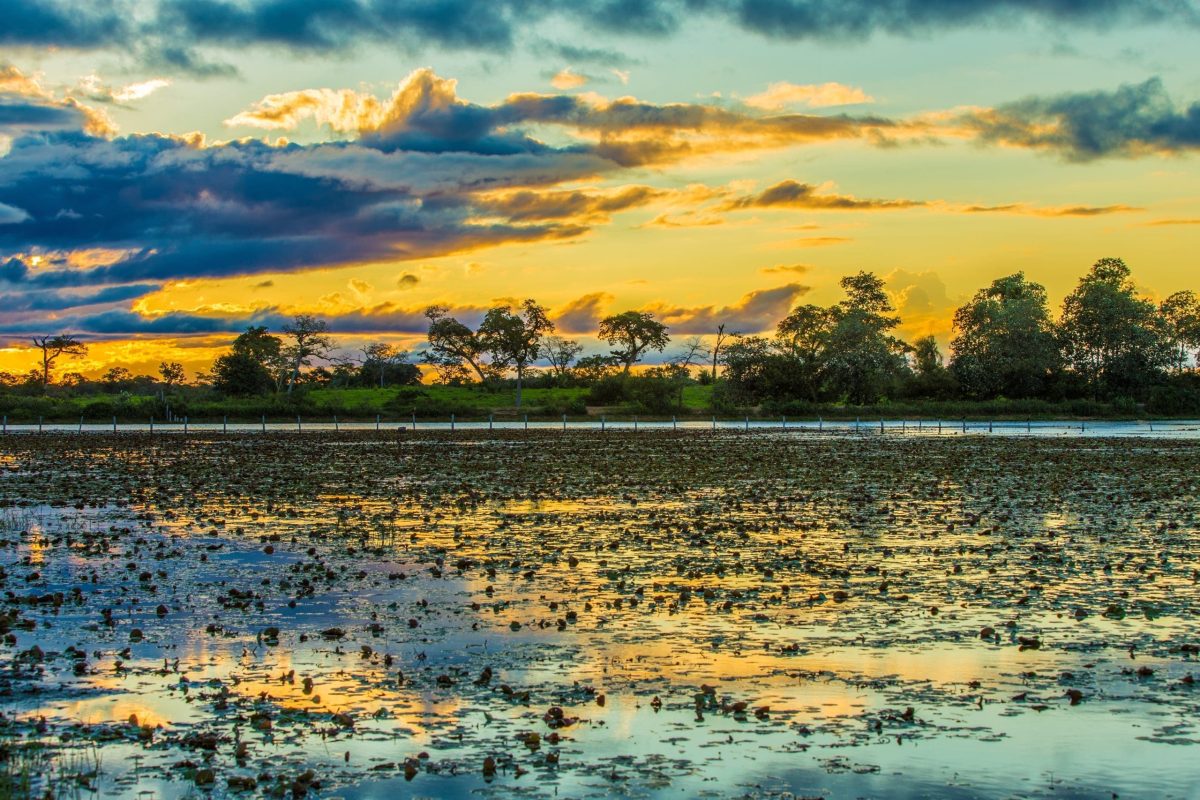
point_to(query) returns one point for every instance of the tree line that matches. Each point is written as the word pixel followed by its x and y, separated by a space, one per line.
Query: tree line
pixel 1107 343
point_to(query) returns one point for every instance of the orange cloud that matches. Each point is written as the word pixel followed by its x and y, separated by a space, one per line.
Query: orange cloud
pixel 781 94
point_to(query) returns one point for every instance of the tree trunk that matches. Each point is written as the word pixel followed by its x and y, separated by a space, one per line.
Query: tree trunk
pixel 520 373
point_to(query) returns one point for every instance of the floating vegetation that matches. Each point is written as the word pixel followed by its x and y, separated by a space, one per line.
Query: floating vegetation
pixel 530 614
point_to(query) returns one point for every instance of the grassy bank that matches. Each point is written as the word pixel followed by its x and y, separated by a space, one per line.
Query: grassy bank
pixel 465 402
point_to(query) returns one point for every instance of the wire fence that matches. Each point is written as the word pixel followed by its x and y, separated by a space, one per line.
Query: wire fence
pixel 1186 429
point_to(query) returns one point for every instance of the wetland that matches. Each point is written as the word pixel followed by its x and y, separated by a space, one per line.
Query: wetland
pixel 756 614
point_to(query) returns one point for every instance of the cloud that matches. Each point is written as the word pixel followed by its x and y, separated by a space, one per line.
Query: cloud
pixel 1052 211
pixel 921 301
pixel 1165 222
pixel 26 106
pixel 407 281
pixel 11 215
pixel 566 79
pixel 52 300
pixel 794 269
pixel 791 194
pixel 757 311
pixel 782 94
pixel 425 114
pixel 1133 120
pixel 93 87
pixel 170 32
pixel 527 205
pixel 583 314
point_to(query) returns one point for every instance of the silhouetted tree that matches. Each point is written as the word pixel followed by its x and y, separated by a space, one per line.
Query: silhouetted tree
pixel 560 353
pixel 452 344
pixel 633 333
pixel 515 338
pixel 310 339
pixel 171 372
pixel 54 346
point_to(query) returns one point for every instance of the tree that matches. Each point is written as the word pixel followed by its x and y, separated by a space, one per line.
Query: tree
pixel 718 348
pixel 930 376
pixel 1004 341
pixel 804 336
pixel 451 345
pixel 633 333
pixel 595 368
pixel 239 373
pixel 1181 320
pixel 54 346
pixel 383 363
pixel 691 352
pixel 861 357
pixel 311 339
pixel 171 372
pixel 560 353
pixel 117 378
pixel 1111 337
pixel 515 338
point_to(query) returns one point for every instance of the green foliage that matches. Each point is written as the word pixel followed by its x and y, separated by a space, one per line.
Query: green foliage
pixel 1005 343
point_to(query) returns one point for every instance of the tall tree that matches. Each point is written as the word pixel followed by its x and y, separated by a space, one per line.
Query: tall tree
pixel 1111 337
pixel 560 353
pixel 310 339
pixel 803 338
pixel 514 338
pixel 451 344
pixel 54 346
pixel 1181 318
pixel 1004 341
pixel 632 333
pixel 862 357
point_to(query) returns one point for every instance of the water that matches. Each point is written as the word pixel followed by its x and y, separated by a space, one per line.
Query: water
pixel 901 617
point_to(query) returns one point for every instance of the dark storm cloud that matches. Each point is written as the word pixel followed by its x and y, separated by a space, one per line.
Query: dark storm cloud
pixel 1133 120
pixel 56 301
pixel 61 23
pixel 167 31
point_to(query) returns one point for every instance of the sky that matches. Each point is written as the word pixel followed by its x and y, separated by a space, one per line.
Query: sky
pixel 173 171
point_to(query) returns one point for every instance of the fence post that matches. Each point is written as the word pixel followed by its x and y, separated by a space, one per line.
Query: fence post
pixel 451 422
pixel 714 422
pixel 6 424
pixel 335 424
pixel 80 424
pixel 1151 424
pixel 856 424
pixel 990 426
pixel 881 424
pixel 39 424
pixel 674 423
pixel 939 427
pixel 820 424
pixel 1083 426
pixel 264 423
pixel 152 423
pixel 903 427
pixel 225 424
pixel 784 420
pixel 297 423
pixel 376 422
pixel 564 422
pixel 414 415
pixel 747 422
pixel 964 424
pixel 185 423
pixel 490 418
pixel 602 423
pixel 526 422
pixel 114 423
